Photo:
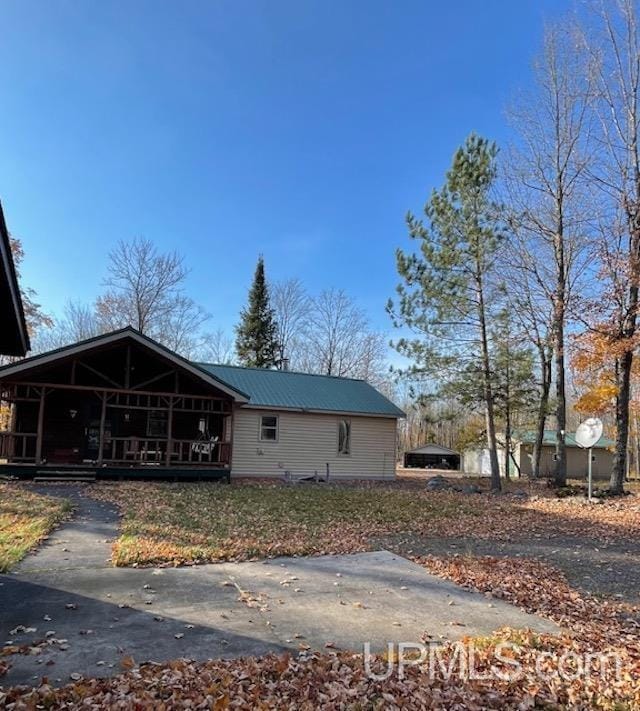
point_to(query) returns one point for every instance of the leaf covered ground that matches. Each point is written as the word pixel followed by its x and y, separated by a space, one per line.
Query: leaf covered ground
pixel 339 680
pixel 184 523
pixel 25 519
pixel 193 523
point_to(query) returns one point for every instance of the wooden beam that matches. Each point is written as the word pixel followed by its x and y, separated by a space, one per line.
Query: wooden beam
pixel 73 371
pixel 166 374
pixel 103 417
pixel 39 434
pixel 229 435
pixel 99 374
pixel 169 433
pixel 98 388
pixel 12 417
pixel 127 368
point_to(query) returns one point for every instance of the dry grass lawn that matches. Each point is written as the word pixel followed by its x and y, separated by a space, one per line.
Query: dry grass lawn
pixel 25 518
pixel 184 523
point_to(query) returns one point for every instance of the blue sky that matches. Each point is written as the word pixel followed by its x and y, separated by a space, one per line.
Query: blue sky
pixel 302 130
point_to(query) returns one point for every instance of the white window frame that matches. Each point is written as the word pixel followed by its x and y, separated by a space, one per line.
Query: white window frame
pixel 349 437
pixel 269 427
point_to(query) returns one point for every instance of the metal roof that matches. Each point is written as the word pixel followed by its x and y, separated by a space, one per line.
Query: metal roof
pixel 280 389
pixel 257 387
pixel 549 439
pixel 432 449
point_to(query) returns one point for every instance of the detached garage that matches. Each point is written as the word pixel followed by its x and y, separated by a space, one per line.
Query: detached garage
pixel 432 456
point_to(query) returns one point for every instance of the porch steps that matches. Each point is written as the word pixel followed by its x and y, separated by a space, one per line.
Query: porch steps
pixel 53 477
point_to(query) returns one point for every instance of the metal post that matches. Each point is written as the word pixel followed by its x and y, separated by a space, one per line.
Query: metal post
pixel 590 450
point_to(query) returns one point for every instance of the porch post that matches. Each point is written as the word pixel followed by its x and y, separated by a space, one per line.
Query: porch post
pixel 127 369
pixel 39 431
pixel 169 432
pixel 103 417
pixel 229 425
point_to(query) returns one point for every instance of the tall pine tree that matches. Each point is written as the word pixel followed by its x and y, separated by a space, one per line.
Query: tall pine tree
pixel 444 297
pixel 256 342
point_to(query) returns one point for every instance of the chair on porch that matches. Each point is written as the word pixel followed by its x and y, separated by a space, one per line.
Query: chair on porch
pixel 204 445
pixel 131 449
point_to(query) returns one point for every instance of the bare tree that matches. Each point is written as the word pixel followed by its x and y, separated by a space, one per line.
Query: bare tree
pixel 340 340
pixel 545 176
pixel 78 323
pixel 292 307
pixel 613 47
pixel 180 330
pixel 216 347
pixel 145 290
pixel 533 312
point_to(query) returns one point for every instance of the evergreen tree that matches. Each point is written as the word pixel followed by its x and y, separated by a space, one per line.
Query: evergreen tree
pixel 445 294
pixel 256 341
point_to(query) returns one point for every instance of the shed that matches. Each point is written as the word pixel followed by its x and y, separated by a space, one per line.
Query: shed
pixel 432 456
pixel 577 458
pixel 476 461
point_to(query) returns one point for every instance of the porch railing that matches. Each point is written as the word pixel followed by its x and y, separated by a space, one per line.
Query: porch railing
pixel 18 446
pixel 143 451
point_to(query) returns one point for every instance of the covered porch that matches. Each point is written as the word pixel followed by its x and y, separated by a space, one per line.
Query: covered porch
pixel 122 404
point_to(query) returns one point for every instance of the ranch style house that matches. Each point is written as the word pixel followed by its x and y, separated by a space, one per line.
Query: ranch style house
pixel 121 404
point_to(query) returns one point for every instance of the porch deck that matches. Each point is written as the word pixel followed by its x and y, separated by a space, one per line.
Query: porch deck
pixel 173 473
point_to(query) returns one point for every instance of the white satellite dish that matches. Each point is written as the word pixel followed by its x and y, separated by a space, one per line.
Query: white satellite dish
pixel 589 432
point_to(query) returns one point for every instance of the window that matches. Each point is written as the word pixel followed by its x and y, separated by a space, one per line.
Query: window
pixel 268 428
pixel 157 423
pixel 344 437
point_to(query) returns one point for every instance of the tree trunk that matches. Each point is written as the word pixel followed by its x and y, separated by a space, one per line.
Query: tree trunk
pixel 543 405
pixel 507 422
pixel 637 449
pixel 616 485
pixel 625 363
pixel 507 450
pixel 560 469
pixel 488 389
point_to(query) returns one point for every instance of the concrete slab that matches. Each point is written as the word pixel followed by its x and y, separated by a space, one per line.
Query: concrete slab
pixel 97 615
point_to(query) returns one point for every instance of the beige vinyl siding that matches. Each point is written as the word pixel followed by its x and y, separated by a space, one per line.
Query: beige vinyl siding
pixel 476 462
pixel 577 462
pixel 307 442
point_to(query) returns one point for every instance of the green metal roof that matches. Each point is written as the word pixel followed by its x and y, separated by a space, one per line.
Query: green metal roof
pixel 549 439
pixel 302 391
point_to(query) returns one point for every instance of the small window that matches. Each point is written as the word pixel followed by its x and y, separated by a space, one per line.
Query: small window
pixel 268 428
pixel 344 437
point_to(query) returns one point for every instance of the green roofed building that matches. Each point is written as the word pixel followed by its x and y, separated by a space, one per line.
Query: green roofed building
pixel 122 404
pixel 477 461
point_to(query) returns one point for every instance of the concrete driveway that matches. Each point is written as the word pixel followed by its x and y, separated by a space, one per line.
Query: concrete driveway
pixel 74 614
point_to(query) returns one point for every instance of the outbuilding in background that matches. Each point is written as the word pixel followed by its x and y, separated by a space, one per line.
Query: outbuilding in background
pixel 476 461
pixel 432 456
